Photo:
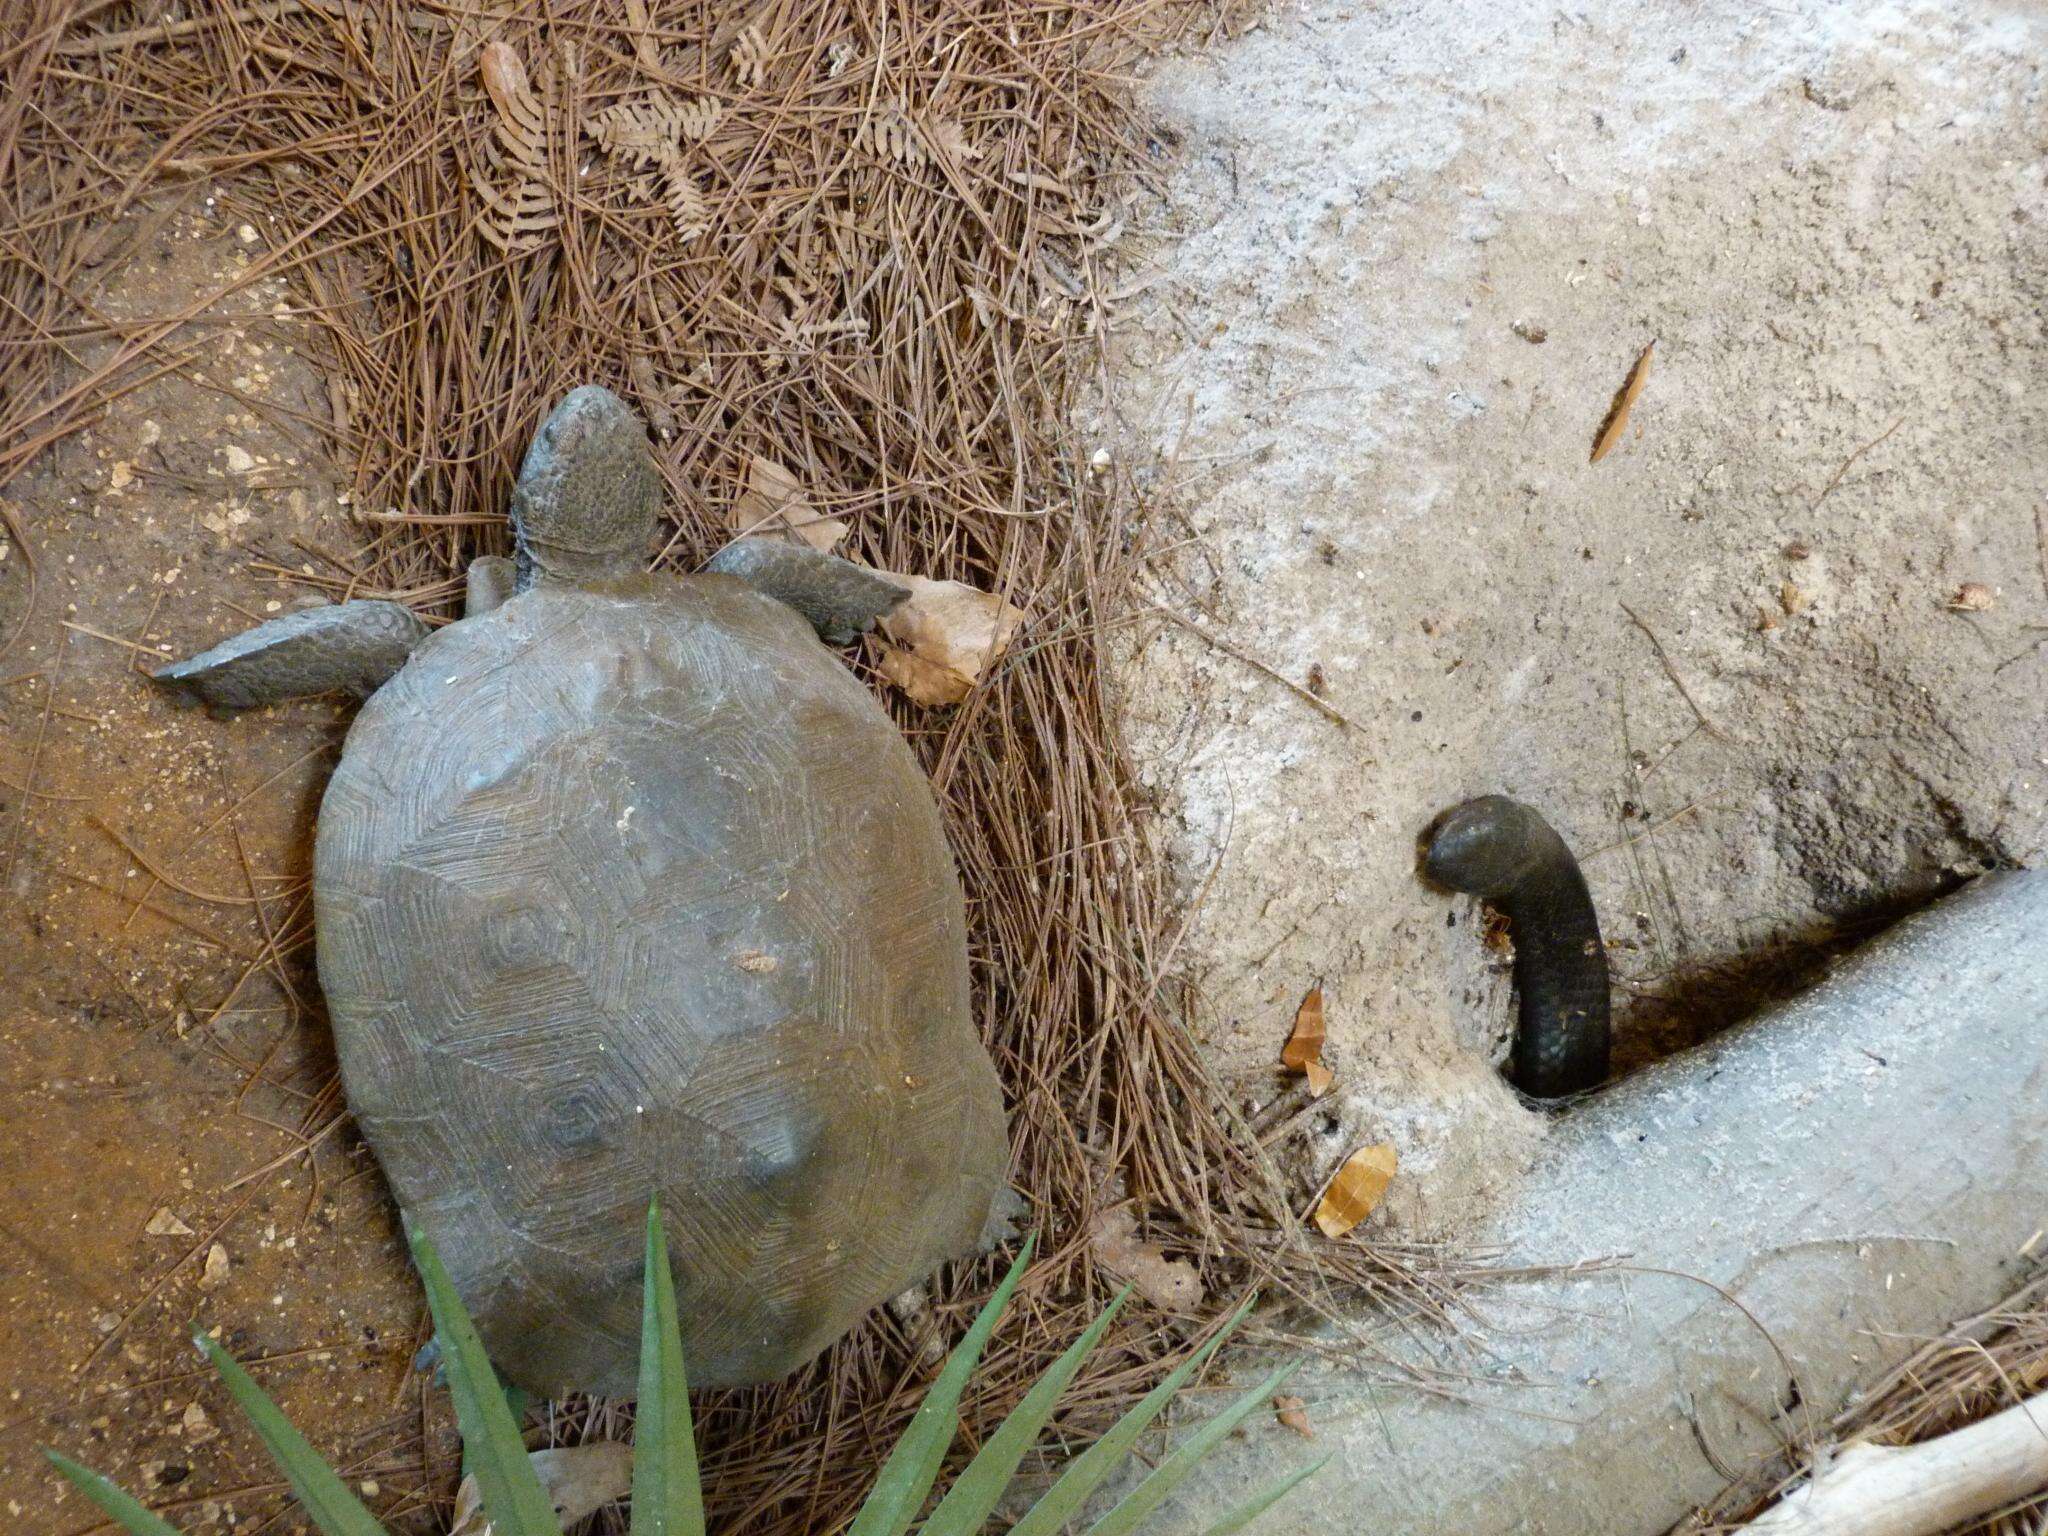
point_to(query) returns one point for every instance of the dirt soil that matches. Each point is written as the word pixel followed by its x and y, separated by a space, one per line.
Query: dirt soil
pixel 1775 666
pixel 174 1151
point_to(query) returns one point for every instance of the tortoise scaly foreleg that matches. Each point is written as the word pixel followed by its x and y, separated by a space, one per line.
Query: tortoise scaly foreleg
pixel 354 646
pixel 492 579
pixel 838 598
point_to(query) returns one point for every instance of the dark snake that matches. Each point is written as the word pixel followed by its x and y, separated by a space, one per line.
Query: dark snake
pixel 1505 853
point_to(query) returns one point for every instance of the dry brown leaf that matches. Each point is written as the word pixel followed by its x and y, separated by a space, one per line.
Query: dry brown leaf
pixel 773 504
pixel 1303 1051
pixel 511 93
pixel 920 681
pixel 944 636
pixel 647 386
pixel 1172 1284
pixel 578 1480
pixel 1293 1412
pixel 1357 1188
pixel 469 1518
pixel 1624 401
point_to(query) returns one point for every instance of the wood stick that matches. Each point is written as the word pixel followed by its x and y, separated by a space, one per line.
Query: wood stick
pixel 1916 1490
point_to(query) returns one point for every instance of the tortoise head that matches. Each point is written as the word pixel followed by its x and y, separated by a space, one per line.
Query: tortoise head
pixel 588 492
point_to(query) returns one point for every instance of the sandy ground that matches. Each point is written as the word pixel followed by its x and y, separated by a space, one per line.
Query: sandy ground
pixel 1409 254
pixel 162 1069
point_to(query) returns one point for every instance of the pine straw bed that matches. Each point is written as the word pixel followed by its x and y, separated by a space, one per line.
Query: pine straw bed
pixel 869 243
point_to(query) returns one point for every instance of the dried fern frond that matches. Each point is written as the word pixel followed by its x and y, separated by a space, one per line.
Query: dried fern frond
pixel 515 219
pixel 521 125
pixel 750 56
pixel 653 129
pixel 949 140
pixel 889 134
pixel 672 187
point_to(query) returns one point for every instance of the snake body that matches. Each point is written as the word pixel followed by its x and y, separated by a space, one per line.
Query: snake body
pixel 1505 853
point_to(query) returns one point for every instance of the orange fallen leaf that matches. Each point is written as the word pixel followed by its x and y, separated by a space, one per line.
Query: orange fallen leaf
pixel 1303 1051
pixel 1624 400
pixel 774 504
pixel 1306 1043
pixel 1172 1284
pixel 1293 1412
pixel 1356 1190
pixel 943 637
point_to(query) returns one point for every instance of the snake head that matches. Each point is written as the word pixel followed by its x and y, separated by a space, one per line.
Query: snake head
pixel 1488 846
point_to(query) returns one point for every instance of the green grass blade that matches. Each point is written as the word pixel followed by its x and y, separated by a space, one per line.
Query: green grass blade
pixel 913 1467
pixel 1065 1497
pixel 973 1496
pixel 1167 1476
pixel 1259 1503
pixel 328 1501
pixel 667 1498
pixel 119 1506
pixel 512 1495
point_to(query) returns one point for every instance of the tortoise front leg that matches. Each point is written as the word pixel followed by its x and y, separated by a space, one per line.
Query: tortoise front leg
pixel 492 579
pixel 354 645
pixel 838 598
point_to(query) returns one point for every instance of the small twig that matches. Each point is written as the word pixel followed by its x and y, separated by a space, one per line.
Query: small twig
pixel 304 1148
pixel 2041 544
pixel 1647 832
pixel 100 634
pixel 157 873
pixel 1671 671
pixel 1837 480
pixel 1319 706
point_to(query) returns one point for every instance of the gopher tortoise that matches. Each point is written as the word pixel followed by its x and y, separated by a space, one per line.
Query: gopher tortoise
pixel 625 888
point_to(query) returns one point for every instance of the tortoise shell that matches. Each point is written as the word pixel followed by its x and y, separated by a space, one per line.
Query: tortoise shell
pixel 634 891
